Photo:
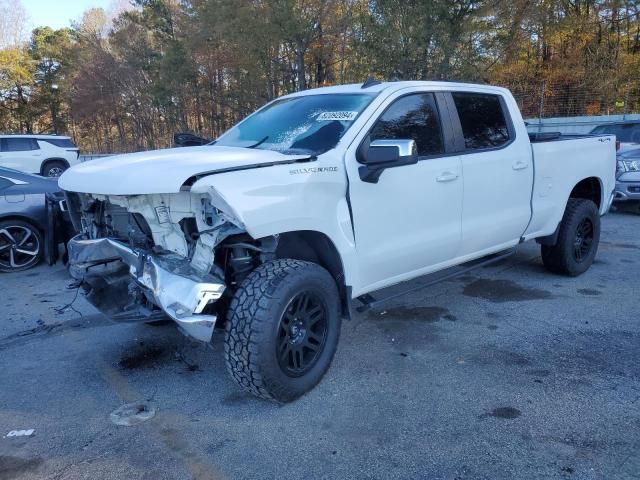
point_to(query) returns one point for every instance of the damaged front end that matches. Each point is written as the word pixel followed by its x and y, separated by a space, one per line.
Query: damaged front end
pixel 144 257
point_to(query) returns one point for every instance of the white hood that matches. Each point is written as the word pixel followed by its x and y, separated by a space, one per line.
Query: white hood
pixel 160 171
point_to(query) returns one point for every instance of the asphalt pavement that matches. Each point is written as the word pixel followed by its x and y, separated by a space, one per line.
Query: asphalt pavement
pixel 507 373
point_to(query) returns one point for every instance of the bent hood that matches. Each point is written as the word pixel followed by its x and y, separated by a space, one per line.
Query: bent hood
pixel 162 171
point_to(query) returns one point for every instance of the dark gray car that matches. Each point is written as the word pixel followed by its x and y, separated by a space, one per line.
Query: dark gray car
pixel 32 221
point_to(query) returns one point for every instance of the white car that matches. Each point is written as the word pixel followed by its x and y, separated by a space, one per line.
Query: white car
pixel 46 155
pixel 325 196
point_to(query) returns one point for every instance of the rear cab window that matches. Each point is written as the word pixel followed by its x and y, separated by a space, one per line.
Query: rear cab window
pixel 483 119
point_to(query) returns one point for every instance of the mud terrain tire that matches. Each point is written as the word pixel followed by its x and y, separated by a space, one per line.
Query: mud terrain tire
pixel 282 329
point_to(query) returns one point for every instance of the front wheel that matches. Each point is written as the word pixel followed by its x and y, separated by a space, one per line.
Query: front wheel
pixel 282 329
pixel 578 239
pixel 53 169
pixel 21 246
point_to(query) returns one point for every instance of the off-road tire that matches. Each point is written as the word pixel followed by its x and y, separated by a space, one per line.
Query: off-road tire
pixel 561 257
pixel 254 322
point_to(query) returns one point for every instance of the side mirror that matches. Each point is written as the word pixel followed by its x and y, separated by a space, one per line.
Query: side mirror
pixel 382 154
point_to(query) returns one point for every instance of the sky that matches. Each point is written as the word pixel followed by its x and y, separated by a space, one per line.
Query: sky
pixel 59 13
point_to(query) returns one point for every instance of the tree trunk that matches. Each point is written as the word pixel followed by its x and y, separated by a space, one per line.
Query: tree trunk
pixel 300 68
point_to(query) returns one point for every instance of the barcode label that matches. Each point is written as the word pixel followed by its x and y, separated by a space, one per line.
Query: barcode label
pixel 341 116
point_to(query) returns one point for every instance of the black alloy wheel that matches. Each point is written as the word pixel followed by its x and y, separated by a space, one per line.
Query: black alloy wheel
pixel 282 329
pixel 301 334
pixel 577 241
pixel 583 241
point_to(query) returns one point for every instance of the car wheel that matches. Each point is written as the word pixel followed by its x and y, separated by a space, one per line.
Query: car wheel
pixel 21 246
pixel 578 239
pixel 282 329
pixel 54 169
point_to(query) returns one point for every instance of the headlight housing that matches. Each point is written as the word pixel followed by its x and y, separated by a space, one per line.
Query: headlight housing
pixel 628 166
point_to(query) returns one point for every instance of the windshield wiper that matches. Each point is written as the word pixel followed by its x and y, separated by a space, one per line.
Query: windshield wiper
pixel 259 143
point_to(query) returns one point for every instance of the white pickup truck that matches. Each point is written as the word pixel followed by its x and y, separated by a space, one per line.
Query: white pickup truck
pixel 325 196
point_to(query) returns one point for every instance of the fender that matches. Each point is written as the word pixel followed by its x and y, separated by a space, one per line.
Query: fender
pixel 288 198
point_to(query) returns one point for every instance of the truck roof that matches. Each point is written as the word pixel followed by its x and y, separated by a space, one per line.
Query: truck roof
pixel 394 86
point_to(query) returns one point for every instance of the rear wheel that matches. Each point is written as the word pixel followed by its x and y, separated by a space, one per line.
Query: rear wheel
pixel 53 168
pixel 578 239
pixel 282 329
pixel 21 246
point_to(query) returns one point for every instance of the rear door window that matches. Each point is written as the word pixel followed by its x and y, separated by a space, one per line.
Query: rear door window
pixel 19 144
pixel 483 120
pixel 413 117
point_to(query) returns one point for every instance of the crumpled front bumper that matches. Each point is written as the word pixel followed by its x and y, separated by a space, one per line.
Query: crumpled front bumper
pixel 108 268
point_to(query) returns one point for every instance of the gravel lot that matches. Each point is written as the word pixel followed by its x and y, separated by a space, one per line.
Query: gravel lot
pixel 507 373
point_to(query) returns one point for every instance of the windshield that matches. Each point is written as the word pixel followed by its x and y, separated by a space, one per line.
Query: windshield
pixel 310 124
pixel 629 133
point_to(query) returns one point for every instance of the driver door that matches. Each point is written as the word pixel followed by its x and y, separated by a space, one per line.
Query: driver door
pixel 409 222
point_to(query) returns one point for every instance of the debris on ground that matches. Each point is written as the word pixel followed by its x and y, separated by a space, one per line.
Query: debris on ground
pixel 133 413
pixel 21 433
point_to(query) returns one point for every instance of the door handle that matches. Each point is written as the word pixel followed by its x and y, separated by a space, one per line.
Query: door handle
pixel 520 165
pixel 447 177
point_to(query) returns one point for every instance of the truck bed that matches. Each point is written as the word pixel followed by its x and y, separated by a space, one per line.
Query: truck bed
pixel 560 162
pixel 539 137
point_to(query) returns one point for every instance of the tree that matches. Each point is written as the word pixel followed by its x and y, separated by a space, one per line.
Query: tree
pixel 13 21
pixel 49 48
pixel 129 78
pixel 17 71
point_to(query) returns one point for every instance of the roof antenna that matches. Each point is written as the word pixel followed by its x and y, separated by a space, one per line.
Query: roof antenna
pixel 370 82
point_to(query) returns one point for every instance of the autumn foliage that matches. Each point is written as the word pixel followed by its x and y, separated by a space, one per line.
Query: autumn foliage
pixel 128 82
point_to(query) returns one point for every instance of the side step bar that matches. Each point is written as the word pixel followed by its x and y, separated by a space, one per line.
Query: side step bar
pixel 368 301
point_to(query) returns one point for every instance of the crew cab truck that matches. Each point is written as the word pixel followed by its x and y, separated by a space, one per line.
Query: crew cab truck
pixel 321 197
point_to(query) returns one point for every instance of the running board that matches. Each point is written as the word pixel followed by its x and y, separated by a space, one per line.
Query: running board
pixel 369 301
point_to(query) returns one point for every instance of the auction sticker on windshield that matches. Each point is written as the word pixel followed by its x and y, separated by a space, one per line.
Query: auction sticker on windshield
pixel 342 116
